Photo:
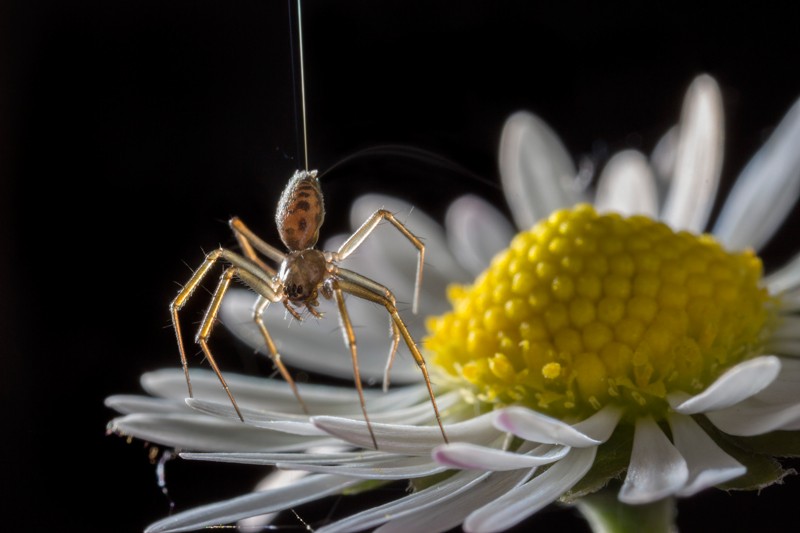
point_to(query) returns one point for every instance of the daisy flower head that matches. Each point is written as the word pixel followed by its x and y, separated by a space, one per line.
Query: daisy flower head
pixel 607 353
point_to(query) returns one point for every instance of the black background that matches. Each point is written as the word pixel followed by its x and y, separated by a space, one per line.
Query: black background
pixel 132 130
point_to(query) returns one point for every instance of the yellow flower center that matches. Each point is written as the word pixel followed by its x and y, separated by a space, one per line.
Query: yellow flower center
pixel 586 309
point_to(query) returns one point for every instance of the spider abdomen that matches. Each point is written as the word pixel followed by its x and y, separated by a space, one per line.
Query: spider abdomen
pixel 300 211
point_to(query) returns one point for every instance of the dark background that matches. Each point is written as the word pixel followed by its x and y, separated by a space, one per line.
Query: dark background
pixel 132 130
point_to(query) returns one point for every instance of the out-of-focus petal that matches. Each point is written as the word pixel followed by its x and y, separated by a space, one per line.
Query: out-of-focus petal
pixel 477 231
pixel 752 417
pixel 765 191
pixel 627 186
pixel 524 500
pixel 302 491
pixel 785 278
pixel 458 486
pixel 536 171
pixel 698 158
pixel 656 470
pixel 708 464
pixel 738 383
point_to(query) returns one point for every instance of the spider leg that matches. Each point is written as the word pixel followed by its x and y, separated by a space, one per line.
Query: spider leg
pixel 350 340
pixel 258 312
pixel 250 242
pixel 358 237
pixel 250 273
pixel 363 287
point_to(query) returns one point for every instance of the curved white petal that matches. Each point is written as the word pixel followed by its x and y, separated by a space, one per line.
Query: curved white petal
pixel 535 169
pixel 524 500
pixel 205 433
pixel 662 159
pixel 698 158
pixel 766 190
pixel 600 425
pixel 656 469
pixel 436 495
pixel 738 383
pixel 708 464
pixel 260 393
pixel 130 403
pixel 405 468
pixel 304 490
pixel 627 186
pixel 753 417
pixel 477 231
pixel 312 457
pixel 411 440
pixel 534 426
pixel 465 456
pixel 448 514
pixel 786 387
pixel 274 480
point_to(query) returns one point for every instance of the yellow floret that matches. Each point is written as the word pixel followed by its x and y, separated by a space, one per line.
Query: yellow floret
pixel 586 309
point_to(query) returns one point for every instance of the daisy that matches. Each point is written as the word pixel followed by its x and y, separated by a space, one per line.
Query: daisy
pixel 608 354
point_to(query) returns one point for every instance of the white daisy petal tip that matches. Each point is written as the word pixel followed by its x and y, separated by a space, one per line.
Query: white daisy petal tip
pixel 534 426
pixel 737 384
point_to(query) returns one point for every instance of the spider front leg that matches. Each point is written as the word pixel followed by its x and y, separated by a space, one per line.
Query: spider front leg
pixel 362 287
pixel 355 240
pixel 246 270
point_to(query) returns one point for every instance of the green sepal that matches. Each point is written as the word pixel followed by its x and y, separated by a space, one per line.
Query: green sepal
pixel 613 457
pixel 776 443
pixel 365 486
pixel 762 468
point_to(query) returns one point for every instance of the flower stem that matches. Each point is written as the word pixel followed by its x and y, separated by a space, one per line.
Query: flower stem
pixel 606 514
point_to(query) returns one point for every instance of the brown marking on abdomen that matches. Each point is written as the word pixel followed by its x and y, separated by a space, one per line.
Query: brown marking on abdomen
pixel 300 212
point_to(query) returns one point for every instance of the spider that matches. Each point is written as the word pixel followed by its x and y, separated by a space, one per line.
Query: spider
pixel 303 275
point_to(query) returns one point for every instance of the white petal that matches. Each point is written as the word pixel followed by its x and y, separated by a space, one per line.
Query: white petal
pixel 766 190
pixel 411 440
pixel 204 433
pixel 305 490
pixel 296 424
pixel 273 480
pixel 708 464
pixel 786 387
pixel 656 469
pixel 129 403
pixel 752 417
pixel 738 383
pixel 627 186
pixel 600 425
pixel 790 301
pixel 392 468
pixel 446 515
pixel 785 278
pixel 534 426
pixel 463 455
pixel 451 488
pixel 662 159
pixel 698 159
pixel 477 231
pixel 271 459
pixel 259 393
pixel 535 169
pixel 524 500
